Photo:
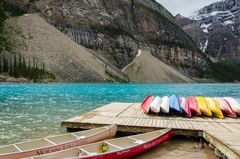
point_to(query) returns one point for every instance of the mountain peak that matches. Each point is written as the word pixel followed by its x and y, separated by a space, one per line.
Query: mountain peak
pixel 226 5
pixel 215 29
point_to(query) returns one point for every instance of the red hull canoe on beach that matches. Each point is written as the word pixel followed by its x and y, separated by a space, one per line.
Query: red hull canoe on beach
pixel 192 104
pixel 185 107
pixel 56 143
pixel 226 108
pixel 120 148
pixel 146 104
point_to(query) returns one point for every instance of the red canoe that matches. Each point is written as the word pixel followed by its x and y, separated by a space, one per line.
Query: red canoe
pixel 146 104
pixel 119 148
pixel 226 108
pixel 185 107
pixel 192 104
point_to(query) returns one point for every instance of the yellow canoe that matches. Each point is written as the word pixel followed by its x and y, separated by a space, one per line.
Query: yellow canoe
pixel 214 107
pixel 203 106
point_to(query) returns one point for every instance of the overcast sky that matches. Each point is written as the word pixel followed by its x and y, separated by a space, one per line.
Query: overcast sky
pixel 185 7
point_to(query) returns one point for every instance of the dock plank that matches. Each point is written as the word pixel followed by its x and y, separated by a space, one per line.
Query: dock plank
pixel 223 133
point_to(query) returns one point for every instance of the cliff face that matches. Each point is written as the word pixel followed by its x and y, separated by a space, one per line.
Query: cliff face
pixel 117 29
pixel 220 6
pixel 216 29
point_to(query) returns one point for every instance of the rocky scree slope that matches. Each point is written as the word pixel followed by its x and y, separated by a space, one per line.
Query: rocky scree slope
pixel 117 29
pixel 216 29
pixel 147 68
pixel 66 60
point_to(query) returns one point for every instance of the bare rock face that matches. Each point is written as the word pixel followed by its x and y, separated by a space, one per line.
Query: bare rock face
pixel 117 29
pixel 216 29
pixel 220 6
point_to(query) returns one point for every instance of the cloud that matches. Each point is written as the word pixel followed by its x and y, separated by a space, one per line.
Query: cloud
pixel 185 7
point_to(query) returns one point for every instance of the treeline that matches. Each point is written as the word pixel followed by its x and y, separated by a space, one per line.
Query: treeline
pixel 6 10
pixel 16 66
pixel 225 71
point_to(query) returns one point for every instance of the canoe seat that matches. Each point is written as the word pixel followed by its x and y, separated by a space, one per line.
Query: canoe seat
pixel 8 149
pixel 94 149
pixel 124 142
pixel 139 141
pixel 146 137
pixel 30 145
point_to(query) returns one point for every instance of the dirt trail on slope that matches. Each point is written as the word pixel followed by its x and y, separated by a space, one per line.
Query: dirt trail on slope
pixel 147 68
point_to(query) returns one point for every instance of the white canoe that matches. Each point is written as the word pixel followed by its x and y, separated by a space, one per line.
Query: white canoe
pixel 119 148
pixel 156 104
pixel 56 143
pixel 234 104
pixel 165 104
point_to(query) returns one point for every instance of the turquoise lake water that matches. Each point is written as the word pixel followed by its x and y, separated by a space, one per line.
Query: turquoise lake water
pixel 29 111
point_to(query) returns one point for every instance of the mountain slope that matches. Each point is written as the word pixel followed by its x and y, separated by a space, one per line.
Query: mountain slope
pixel 68 61
pixel 147 68
pixel 216 29
pixel 117 29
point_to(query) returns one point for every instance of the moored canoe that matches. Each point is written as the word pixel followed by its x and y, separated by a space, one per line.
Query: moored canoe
pixel 226 108
pixel 165 104
pixel 175 105
pixel 119 148
pixel 203 106
pixel 56 143
pixel 146 104
pixel 192 103
pixel 214 107
pixel 234 104
pixel 155 105
pixel 185 107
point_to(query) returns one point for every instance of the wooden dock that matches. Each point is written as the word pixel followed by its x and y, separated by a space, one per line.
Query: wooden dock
pixel 224 134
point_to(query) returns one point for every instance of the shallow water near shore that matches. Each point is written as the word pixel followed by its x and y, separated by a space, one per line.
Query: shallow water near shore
pixel 30 111
pixel 179 148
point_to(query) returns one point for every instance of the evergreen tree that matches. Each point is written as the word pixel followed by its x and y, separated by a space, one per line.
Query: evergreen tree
pixel 5 64
pixel 11 73
pixel 24 68
pixel 29 69
pixel 19 63
pixel 15 68
pixel 1 65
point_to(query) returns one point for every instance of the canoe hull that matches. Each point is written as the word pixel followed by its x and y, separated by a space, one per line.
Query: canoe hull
pixel 203 106
pixel 102 135
pixel 165 105
pixel 174 105
pixel 234 104
pixel 192 103
pixel 156 105
pixel 185 107
pixel 146 104
pixel 214 107
pixel 128 153
pixel 227 109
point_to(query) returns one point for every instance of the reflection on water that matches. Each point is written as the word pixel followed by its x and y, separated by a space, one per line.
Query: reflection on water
pixel 183 148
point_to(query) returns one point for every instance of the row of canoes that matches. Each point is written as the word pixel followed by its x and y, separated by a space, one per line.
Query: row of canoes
pixel 190 106
pixel 86 145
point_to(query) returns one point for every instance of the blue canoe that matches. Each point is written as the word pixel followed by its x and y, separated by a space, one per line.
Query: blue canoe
pixel 175 106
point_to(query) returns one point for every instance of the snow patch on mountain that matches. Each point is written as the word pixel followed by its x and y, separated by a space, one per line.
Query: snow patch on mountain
pixel 203 46
pixel 205 27
pixel 228 22
pixel 212 14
